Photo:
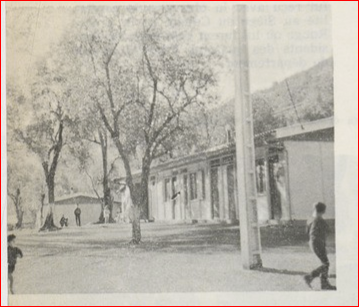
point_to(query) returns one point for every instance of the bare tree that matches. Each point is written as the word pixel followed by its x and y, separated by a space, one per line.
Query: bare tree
pixel 44 135
pixel 142 81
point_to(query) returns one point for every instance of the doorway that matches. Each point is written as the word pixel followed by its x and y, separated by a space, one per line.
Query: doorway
pixel 214 193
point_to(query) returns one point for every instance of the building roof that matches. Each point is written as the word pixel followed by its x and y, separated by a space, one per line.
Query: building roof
pixel 73 198
pixel 305 128
pixel 316 130
pixel 322 129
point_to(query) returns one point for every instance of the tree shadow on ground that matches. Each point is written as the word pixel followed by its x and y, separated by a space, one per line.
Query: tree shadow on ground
pixel 207 239
pixel 193 239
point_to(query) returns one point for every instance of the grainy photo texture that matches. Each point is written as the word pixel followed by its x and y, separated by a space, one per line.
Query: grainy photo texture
pixel 170 149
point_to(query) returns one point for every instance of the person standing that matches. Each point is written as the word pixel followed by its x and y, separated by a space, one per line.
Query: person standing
pixel 78 215
pixel 13 253
pixel 106 214
pixel 317 230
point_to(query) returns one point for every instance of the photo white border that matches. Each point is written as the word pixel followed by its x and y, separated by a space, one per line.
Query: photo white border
pixel 345 44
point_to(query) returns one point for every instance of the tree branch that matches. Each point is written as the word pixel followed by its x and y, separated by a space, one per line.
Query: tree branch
pixel 155 84
pixel 159 15
pixel 92 140
pixel 164 138
pixel 109 88
pixel 168 100
pixel 112 168
pixel 105 120
pixel 112 52
pixel 45 166
pixel 93 185
pixel 92 56
pixel 148 63
pixel 169 119
pixel 120 110
pixel 51 150
pixel 58 149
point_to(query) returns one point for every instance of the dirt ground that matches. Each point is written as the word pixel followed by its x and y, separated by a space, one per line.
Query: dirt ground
pixel 172 258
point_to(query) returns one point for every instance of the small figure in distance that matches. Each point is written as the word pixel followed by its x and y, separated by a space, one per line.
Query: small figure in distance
pixel 78 215
pixel 64 221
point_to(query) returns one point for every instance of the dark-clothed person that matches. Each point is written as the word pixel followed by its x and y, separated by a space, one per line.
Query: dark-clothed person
pixel 78 215
pixel 64 221
pixel 318 229
pixel 13 253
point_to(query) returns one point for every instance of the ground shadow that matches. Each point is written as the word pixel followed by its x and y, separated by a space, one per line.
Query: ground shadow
pixel 194 239
pixel 286 272
pixel 207 239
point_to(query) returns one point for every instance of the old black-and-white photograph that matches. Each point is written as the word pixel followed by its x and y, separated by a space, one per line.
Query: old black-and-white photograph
pixel 170 148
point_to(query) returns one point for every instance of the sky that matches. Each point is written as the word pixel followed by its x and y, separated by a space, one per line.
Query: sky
pixel 282 39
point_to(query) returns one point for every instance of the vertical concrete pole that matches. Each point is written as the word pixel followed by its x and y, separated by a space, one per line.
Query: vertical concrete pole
pixel 247 192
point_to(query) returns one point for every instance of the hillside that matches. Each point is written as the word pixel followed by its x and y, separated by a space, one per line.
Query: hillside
pixel 311 90
pixel 312 94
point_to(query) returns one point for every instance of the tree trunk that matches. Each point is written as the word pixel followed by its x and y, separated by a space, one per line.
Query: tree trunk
pixel 140 201
pixel 51 188
pixel 42 208
pixel 144 190
pixel 49 224
pixel 18 208
pixel 136 226
pixel 107 201
pixel 20 217
pixel 50 181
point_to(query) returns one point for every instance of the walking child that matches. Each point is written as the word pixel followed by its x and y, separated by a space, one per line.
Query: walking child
pixel 318 229
pixel 13 253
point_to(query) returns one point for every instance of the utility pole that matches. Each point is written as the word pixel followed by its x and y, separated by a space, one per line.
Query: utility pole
pixel 245 155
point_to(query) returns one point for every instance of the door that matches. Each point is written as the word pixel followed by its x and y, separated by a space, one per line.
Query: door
pixel 263 198
pixel 176 197
pixel 275 197
pixel 214 193
pixel 231 191
pixel 153 201
pixel 185 197
pixel 167 199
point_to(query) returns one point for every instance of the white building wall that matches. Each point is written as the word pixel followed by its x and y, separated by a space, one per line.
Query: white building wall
pixel 311 177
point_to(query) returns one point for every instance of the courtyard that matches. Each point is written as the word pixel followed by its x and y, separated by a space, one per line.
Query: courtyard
pixel 172 258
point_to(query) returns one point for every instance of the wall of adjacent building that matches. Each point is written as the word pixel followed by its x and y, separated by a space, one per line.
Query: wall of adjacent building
pixel 90 213
pixel 311 177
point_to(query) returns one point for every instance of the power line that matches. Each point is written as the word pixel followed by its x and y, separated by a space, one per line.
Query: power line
pixel 287 84
pixel 293 103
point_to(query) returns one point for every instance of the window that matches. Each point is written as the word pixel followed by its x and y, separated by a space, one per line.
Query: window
pixel 215 163
pixel 185 185
pixel 193 186
pixel 203 184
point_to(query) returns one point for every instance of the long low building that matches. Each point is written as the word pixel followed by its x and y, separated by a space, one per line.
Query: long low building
pixel 294 169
